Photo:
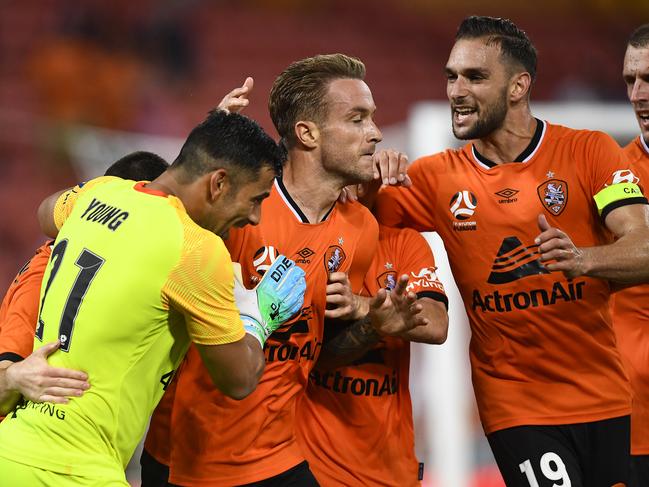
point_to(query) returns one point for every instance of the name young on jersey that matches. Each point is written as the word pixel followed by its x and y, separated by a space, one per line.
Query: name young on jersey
pixel 104 214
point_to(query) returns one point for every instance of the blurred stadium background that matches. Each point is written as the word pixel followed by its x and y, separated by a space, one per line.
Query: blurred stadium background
pixel 85 82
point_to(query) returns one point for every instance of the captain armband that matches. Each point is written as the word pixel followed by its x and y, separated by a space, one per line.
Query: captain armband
pixel 617 195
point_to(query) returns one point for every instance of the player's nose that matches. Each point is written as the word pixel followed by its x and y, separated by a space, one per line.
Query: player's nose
pixel 640 91
pixel 255 215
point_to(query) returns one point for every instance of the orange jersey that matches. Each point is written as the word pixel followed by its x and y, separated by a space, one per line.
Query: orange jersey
pixel 19 309
pixel 543 350
pixel 631 323
pixel 226 442
pixel 355 422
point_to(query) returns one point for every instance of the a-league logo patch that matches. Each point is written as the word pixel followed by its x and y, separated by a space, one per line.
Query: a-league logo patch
pixel 334 258
pixel 387 280
pixel 553 195
pixel 264 258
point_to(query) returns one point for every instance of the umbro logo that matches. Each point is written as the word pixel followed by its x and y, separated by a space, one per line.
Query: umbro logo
pixel 507 195
pixel 514 261
pixel 304 256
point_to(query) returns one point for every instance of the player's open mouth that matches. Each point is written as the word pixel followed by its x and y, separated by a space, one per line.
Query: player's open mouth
pixel 461 114
pixel 643 117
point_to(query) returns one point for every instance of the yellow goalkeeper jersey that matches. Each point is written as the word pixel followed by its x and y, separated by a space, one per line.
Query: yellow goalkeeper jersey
pixel 131 281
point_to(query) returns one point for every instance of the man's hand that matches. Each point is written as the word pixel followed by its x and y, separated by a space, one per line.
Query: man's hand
pixel 341 302
pixel 237 99
pixel 277 297
pixel 37 381
pixel 391 168
pixel 395 312
pixel 555 245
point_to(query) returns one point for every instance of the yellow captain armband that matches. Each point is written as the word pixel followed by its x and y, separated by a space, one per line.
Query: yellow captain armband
pixel 617 195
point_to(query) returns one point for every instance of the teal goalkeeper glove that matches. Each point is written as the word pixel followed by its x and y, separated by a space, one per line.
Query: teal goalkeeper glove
pixel 277 297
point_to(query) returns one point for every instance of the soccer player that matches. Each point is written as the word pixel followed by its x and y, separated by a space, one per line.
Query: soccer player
pixel 323 110
pixel 630 308
pixel 137 272
pixel 355 421
pixel 550 386
pixel 21 371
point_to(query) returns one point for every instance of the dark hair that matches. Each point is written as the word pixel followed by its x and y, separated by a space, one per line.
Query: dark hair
pixel 138 166
pixel 228 139
pixel 640 37
pixel 514 44
pixel 299 92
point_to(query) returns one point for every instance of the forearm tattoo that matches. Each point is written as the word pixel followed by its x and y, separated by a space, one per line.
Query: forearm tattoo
pixel 353 339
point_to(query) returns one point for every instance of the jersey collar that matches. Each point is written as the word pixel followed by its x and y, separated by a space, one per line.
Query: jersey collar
pixel 524 156
pixel 644 145
pixel 293 206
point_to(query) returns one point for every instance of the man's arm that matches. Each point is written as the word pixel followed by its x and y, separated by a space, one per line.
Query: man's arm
pixel 436 331
pixel 237 99
pixel 625 261
pixel 391 313
pixel 46 214
pixel 37 381
pixel 235 368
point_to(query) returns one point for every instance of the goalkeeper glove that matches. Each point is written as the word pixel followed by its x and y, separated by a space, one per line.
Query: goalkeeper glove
pixel 277 297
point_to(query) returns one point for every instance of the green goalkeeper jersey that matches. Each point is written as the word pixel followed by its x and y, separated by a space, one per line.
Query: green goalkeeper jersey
pixel 131 281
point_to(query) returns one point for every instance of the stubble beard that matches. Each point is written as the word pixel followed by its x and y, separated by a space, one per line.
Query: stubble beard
pixel 493 118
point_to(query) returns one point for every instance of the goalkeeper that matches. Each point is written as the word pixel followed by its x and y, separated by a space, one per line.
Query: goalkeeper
pixel 137 272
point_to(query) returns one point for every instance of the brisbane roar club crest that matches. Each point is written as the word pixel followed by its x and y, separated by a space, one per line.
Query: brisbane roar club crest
pixel 334 258
pixel 387 280
pixel 553 195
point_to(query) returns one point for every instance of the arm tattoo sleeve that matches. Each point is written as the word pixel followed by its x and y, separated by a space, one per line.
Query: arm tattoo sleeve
pixel 353 340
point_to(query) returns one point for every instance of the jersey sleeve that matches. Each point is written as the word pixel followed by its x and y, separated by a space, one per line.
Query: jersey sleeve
pixel 66 201
pixel 408 207
pixel 613 183
pixel 416 259
pixel 19 310
pixel 201 287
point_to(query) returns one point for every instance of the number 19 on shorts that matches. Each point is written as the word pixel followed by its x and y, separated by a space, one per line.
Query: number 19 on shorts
pixel 552 467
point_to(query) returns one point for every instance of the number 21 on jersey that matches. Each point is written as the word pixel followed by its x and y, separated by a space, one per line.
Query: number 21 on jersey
pixel 89 264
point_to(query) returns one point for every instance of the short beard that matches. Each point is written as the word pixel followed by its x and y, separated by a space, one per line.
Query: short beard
pixel 494 116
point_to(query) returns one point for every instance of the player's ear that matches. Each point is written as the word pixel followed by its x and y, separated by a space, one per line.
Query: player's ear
pixel 520 86
pixel 219 182
pixel 307 133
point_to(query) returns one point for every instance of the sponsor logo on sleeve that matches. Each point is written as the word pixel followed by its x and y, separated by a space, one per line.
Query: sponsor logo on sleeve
pixel 624 176
pixel 426 278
